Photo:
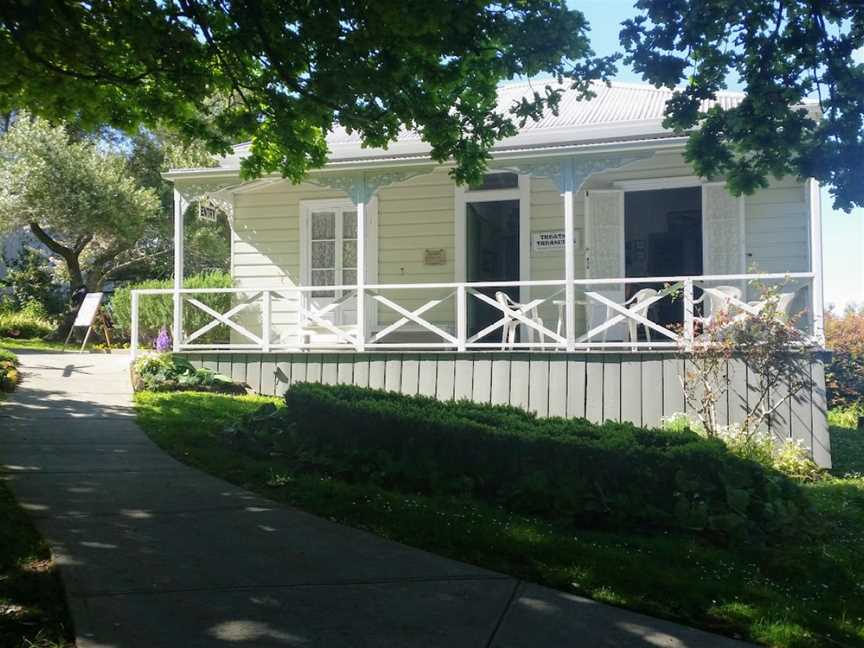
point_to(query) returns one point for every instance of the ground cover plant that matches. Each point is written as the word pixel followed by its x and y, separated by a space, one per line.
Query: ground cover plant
pixel 798 593
pixel 169 372
pixel 8 371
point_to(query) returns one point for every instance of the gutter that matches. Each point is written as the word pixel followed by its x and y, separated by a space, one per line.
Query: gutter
pixel 663 142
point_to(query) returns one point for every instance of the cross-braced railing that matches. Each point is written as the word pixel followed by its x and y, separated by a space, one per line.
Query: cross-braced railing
pixel 637 313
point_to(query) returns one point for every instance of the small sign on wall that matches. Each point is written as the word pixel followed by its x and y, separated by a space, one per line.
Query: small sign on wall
pixel 551 240
pixel 434 257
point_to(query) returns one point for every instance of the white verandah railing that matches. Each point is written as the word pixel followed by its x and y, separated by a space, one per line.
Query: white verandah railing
pixel 438 316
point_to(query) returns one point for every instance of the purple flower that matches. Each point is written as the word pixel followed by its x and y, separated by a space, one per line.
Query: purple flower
pixel 163 341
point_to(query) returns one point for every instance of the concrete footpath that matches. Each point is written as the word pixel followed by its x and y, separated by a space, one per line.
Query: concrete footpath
pixel 154 553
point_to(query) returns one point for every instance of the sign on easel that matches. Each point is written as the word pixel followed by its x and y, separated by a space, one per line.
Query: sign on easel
pixel 86 317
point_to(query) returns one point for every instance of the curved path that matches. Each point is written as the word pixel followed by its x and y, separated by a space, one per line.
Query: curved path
pixel 154 553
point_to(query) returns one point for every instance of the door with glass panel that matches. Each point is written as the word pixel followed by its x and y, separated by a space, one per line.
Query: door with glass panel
pixel 332 255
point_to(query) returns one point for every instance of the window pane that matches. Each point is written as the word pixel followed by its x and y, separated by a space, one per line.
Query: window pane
pixel 349 224
pixel 349 254
pixel 323 225
pixel 323 254
pixel 349 277
pixel 323 278
pixel 497 181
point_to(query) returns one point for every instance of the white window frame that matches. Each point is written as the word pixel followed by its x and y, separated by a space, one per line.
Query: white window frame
pixel 522 193
pixel 344 204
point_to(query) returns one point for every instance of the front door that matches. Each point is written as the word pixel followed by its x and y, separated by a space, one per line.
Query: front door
pixel 492 246
pixel 663 238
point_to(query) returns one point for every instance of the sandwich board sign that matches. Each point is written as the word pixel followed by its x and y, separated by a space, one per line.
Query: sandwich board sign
pixel 86 317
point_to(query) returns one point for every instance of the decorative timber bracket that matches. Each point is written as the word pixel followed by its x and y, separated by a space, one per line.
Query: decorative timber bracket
pixel 360 186
pixel 210 194
pixel 570 173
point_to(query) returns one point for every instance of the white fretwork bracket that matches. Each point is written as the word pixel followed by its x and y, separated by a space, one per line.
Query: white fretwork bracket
pixel 360 186
pixel 569 174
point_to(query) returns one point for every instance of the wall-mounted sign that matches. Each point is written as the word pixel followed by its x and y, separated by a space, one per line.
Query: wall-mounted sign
pixel 548 241
pixel 434 257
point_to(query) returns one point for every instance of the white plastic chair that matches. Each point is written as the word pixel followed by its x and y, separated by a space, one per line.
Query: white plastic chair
pixel 511 324
pixel 632 304
pixel 718 301
pixel 784 305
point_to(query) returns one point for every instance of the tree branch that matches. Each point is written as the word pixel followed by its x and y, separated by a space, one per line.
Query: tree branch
pixel 49 242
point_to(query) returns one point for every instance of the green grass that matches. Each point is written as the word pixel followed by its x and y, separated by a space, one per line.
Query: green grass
pixel 33 610
pixel 796 595
pixel 32 343
pixel 847 442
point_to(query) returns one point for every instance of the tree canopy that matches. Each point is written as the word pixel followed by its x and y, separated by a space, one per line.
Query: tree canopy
pixel 79 201
pixel 284 73
pixel 782 52
pixel 290 70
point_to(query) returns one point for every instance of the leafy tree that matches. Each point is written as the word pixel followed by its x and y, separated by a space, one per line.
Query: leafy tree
pixel 79 201
pixel 290 70
pixel 207 245
pixel 783 52
pixel 30 278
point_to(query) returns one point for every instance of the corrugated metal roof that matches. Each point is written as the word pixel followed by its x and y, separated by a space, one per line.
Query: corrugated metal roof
pixel 619 112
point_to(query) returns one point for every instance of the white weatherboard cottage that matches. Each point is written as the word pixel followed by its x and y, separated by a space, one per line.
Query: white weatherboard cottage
pixel 547 286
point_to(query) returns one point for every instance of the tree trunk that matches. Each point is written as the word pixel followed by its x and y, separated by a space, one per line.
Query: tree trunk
pixel 71 257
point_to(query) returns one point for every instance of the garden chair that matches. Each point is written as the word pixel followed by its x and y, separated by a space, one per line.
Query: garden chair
pixel 718 300
pixel 510 307
pixel 641 296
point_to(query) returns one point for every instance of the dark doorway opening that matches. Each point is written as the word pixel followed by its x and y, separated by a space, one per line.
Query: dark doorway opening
pixel 492 245
pixel 662 237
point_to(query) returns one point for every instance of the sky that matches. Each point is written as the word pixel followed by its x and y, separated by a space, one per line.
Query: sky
pixel 843 234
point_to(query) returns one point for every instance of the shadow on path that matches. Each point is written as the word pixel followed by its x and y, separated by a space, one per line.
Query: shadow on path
pixel 155 553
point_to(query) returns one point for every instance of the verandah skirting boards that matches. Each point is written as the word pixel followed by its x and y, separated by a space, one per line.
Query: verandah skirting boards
pixel 637 387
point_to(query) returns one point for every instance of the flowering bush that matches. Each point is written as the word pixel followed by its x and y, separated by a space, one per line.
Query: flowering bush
pixel 844 376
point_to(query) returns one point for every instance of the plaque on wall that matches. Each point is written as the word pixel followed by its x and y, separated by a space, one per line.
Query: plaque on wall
pixel 433 257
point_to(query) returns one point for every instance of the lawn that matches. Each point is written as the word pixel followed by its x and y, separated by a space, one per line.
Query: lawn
pixel 32 343
pixel 807 594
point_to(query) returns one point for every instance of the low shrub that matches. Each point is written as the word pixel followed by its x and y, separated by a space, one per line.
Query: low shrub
pixel 157 311
pixel 28 322
pixel 8 370
pixel 569 470
pixel 167 372
pixel 788 456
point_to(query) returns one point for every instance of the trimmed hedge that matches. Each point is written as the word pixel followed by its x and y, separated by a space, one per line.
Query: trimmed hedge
pixel 569 470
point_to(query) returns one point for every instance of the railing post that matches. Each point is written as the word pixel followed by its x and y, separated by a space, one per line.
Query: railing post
pixel 177 332
pixel 177 328
pixel 361 275
pixel 461 317
pixel 134 326
pixel 569 269
pixel 265 320
pixel 689 321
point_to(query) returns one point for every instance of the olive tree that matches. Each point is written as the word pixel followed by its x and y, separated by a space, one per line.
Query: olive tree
pixel 78 200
